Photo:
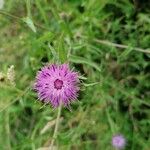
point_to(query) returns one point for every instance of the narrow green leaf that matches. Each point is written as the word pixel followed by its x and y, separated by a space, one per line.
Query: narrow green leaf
pixel 46 37
pixel 78 60
pixel 82 78
pixel 126 52
pixel 30 24
pixel 42 12
pixel 61 50
pixel 90 84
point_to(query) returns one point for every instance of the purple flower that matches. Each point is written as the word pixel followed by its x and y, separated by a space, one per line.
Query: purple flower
pixel 57 84
pixel 118 141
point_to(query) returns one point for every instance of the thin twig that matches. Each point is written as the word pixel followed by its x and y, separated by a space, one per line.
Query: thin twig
pixel 56 127
pixel 2 12
pixel 9 15
pixel 121 46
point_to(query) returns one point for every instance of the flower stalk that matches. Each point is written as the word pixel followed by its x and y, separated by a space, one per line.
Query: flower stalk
pixel 56 127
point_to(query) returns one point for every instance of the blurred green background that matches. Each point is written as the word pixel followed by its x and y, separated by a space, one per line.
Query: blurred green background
pixel 36 32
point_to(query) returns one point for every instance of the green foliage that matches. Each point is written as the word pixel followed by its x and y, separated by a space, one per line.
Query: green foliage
pixel 114 96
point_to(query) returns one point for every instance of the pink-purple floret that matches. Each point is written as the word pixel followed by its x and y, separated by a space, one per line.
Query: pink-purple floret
pixel 57 84
pixel 118 141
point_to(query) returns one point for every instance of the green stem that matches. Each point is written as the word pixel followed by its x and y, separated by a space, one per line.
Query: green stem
pixel 56 127
pixel 28 5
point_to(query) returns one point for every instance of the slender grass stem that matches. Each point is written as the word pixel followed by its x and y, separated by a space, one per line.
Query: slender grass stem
pixel 2 12
pixel 28 6
pixel 7 130
pixel 108 43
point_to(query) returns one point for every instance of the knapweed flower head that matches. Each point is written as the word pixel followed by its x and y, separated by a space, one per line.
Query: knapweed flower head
pixel 57 84
pixel 118 141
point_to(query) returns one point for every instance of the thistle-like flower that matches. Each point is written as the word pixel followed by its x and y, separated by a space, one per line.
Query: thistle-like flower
pixel 57 84
pixel 118 141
